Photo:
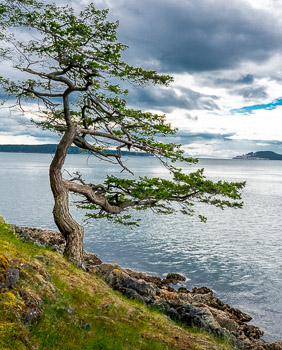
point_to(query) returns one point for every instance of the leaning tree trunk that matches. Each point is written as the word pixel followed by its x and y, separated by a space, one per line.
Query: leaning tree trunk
pixel 70 229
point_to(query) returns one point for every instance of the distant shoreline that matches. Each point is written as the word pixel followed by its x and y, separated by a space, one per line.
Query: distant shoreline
pixel 51 149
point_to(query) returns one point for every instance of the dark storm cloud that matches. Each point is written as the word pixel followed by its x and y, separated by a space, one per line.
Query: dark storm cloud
pixel 168 99
pixel 195 35
pixel 202 101
pixel 247 79
pixel 251 93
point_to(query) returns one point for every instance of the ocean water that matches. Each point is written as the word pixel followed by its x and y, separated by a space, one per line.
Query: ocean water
pixel 237 253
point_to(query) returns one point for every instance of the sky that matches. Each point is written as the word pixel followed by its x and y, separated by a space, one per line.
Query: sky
pixel 226 60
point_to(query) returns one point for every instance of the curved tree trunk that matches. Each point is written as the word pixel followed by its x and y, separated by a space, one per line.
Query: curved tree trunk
pixel 70 229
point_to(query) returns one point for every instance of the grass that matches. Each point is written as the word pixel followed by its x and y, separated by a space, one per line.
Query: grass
pixel 78 310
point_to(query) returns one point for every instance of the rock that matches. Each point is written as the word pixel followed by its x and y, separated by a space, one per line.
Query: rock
pixel 174 278
pixel 155 280
pixel 65 310
pixel 183 290
pixel 39 257
pixel 238 314
pixel 56 240
pixel 131 293
pixel 47 276
pixel 70 310
pixel 29 316
pixel 121 280
pixel 12 277
pixel 105 269
pixel 270 346
pixel 90 261
pixel 40 237
pixel 202 290
pixel 3 287
pixel 86 326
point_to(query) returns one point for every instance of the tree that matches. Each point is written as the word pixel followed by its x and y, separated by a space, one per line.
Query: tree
pixel 71 64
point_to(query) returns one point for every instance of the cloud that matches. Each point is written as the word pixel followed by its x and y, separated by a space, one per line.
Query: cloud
pixel 196 35
pixel 189 138
pixel 247 79
pixel 190 117
pixel 251 92
pixel 167 99
pixel 18 129
pixel 192 136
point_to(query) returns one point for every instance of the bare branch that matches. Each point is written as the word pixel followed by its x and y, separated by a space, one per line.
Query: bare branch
pixel 41 94
pixel 88 192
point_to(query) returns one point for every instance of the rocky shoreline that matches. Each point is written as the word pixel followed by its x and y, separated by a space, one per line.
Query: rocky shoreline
pixel 198 307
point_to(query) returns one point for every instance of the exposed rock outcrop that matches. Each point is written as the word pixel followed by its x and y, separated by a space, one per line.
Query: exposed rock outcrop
pixel 55 240
pixel 197 308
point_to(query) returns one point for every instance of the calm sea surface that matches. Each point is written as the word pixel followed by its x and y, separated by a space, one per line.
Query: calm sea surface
pixel 237 253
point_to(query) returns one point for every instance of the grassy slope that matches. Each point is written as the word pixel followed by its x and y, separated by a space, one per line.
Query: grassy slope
pixel 77 309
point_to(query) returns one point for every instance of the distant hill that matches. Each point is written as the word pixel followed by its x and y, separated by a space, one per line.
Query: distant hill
pixel 48 148
pixel 51 149
pixel 260 155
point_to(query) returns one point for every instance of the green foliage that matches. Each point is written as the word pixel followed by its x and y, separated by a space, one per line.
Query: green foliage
pixel 77 75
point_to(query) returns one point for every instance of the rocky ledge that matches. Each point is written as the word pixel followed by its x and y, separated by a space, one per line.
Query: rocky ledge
pixel 198 307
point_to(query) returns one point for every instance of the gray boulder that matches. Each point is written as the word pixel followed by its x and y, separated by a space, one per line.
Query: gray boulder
pixel 12 278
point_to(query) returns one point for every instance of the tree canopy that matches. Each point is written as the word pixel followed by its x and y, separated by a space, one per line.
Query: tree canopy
pixel 71 64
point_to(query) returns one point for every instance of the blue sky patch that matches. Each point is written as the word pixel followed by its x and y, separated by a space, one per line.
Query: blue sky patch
pixel 250 109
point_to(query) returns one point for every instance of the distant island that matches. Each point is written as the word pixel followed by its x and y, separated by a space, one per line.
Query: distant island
pixel 48 148
pixel 51 149
pixel 260 155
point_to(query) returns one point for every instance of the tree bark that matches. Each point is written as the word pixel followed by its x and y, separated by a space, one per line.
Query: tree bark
pixel 70 229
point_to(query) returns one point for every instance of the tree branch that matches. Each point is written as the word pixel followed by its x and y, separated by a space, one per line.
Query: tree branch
pixel 87 191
